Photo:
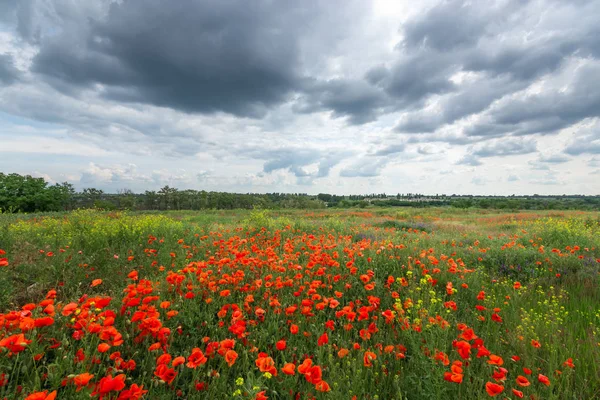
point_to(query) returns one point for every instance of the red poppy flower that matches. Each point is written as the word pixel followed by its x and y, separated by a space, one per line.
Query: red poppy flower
pixel 261 395
pixel 493 389
pixel 15 343
pixel 96 282
pixel 544 379
pixel 305 366
pixel 569 363
pixel 103 347
pixel 281 345
pixel 266 364
pixel 135 392
pixel 82 380
pixel 196 359
pixel 178 361
pixel 495 360
pixel 109 384
pixel 44 321
pixel 289 369
pixel 165 373
pixel 522 381
pixel 323 339
pixel 368 358
pixel 322 386
pixel 314 375
pixel 42 396
pixel 463 348
pixel 230 357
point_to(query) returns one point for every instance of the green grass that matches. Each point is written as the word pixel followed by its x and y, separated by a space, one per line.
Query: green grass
pixel 558 303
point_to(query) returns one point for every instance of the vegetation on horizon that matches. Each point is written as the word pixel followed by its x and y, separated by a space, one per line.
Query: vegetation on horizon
pixel 28 194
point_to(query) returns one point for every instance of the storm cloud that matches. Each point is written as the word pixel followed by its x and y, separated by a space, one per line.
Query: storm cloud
pixel 8 73
pixel 195 56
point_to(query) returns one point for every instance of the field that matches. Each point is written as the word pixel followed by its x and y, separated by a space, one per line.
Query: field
pixel 376 304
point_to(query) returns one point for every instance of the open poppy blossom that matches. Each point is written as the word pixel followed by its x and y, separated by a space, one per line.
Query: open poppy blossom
pixel 42 395
pixel 96 282
pixel 493 389
pixel 82 380
pixel 543 379
pixel 289 369
pixel 523 381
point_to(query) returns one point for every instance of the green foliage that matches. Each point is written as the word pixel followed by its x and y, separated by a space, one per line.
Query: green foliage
pixel 104 205
pixel 258 219
pixel 561 232
pixel 28 194
pixel 83 226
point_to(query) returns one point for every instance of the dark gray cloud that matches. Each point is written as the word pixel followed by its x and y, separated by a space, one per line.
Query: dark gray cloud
pixel 195 56
pixel 414 78
pixel 355 99
pixel 405 85
pixel 210 56
pixel 472 98
pixel 456 33
pixel 420 122
pixel 377 74
pixel 520 61
pixel 556 107
pixel 26 12
pixel 8 72
pixel 548 110
pixel 8 10
pixel 530 47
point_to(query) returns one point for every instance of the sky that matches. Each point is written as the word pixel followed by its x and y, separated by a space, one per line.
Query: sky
pixel 330 96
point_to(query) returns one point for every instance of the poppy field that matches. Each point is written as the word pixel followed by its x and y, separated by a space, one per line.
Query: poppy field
pixel 382 304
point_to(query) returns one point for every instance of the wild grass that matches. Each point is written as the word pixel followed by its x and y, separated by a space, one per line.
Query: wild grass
pixel 400 291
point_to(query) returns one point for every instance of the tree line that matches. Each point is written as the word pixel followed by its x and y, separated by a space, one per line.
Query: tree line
pixel 24 193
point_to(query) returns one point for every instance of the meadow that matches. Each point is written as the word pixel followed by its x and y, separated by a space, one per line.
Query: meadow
pixel 433 303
